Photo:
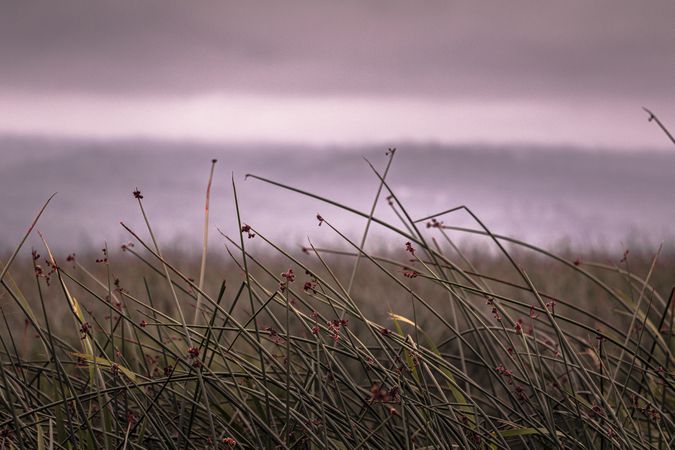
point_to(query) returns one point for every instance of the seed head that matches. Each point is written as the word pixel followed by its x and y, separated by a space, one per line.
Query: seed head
pixel 309 286
pixel 246 228
pixel 289 275
pixel 85 330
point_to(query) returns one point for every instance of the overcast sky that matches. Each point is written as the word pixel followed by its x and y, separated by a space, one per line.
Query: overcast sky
pixel 575 72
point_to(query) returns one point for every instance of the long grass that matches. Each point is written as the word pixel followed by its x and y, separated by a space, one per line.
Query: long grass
pixel 507 345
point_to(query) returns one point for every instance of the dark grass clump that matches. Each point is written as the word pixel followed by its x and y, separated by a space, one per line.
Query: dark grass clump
pixel 426 347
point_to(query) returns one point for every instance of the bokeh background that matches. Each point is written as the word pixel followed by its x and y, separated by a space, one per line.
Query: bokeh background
pixel 528 112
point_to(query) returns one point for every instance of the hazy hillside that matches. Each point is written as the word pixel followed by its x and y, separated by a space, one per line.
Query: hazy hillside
pixel 544 194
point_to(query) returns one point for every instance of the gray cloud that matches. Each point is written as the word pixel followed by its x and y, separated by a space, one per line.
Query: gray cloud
pixel 420 49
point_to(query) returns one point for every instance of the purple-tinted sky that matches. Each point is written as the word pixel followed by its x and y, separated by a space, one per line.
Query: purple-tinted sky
pixel 574 72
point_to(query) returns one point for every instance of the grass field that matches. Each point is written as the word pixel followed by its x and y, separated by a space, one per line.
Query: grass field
pixel 485 342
